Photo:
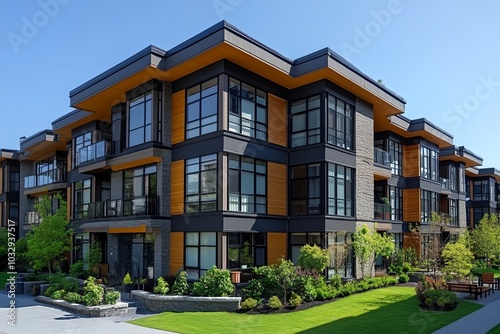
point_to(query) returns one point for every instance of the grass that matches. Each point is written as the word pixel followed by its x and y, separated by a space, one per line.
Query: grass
pixel 479 271
pixel 386 310
pixel 3 278
pixel 495 330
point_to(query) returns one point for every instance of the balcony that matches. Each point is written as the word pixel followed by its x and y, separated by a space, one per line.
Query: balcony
pixel 137 206
pixel 94 152
pixel 31 218
pixel 382 211
pixel 381 164
pixel 445 185
pixel 46 178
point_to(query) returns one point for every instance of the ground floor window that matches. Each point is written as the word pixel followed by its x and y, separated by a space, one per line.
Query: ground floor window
pixel 200 253
pixel 246 250
pixel 142 256
pixel 398 240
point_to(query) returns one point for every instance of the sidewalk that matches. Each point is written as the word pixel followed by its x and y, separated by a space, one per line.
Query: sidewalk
pixel 477 322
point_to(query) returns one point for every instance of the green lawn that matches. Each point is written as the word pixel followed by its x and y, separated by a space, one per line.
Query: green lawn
pixel 479 271
pixel 3 278
pixel 386 310
pixel 495 330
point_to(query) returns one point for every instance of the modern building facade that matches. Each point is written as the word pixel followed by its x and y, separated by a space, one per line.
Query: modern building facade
pixel 220 151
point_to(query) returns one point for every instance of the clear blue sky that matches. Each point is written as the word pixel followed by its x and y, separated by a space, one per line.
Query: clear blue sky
pixel 442 57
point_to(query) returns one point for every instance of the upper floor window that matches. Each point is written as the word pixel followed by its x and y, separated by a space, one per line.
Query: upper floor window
pixel 396 202
pixel 201 183
pixel 140 182
pixel 306 189
pixel 396 156
pixel 140 128
pixel 247 184
pixel 82 200
pixel 453 178
pixel 428 164
pixel 201 117
pixel 340 123
pixel 247 110
pixel 306 121
pixel 340 190
pixel 481 190
pixel 454 211
pixel 429 202
pixel 81 141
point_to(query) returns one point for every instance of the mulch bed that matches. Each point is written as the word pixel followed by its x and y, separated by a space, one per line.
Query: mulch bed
pixel 263 309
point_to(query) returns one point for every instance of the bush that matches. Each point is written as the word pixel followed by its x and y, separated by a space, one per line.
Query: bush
pixel 111 297
pixel 274 303
pixel 181 286
pixel 253 290
pixel 73 297
pixel 440 300
pixel 71 285
pixel 249 304
pixel 426 284
pixel 295 300
pixel 336 281
pixel 403 278
pixel 161 287
pixel 215 283
pixel 314 257
pixel 59 294
pixel 77 270
pixel 305 287
pixel 127 279
pixel 93 292
pixel 323 294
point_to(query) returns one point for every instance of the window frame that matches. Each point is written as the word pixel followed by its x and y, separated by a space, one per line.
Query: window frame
pixel 345 200
pixel 254 246
pixel 209 158
pixel 429 163
pixel 198 123
pixel 340 138
pixel 309 132
pixel 200 247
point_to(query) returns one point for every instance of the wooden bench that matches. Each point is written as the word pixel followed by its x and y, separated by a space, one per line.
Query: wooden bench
pixel 472 289
pixel 489 278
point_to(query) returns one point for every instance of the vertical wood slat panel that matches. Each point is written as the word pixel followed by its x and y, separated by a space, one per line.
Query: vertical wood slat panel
pixel 177 188
pixel 176 252
pixel 411 240
pixel 178 116
pixel 276 247
pixel 411 205
pixel 277 121
pixel 411 161
pixel 276 189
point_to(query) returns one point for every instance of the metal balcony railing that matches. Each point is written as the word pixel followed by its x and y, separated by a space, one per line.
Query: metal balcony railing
pixel 137 206
pixel 382 211
pixel 381 157
pixel 93 152
pixel 42 179
pixel 445 183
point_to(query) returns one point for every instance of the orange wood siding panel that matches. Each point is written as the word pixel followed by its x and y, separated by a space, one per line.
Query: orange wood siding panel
pixel 411 160
pixel 177 188
pixel 276 247
pixel 178 116
pixel 135 229
pixel 411 205
pixel 176 252
pixel 412 240
pixel 277 125
pixel 276 189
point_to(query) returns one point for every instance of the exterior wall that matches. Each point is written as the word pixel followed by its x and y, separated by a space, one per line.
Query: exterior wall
pixel 117 185
pixel 25 202
pixel 162 250
pixel 277 120
pixel 364 161
pixel 177 188
pixel 411 205
pixel 178 116
pixel 176 252
pixel 276 247
pixel 462 214
pixel 277 189
pixel 411 161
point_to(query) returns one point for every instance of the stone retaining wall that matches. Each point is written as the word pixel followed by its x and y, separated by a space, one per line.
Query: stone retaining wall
pixel 28 286
pixel 161 303
pixel 88 311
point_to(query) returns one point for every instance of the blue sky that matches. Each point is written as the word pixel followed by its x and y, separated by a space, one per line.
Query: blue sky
pixel 442 57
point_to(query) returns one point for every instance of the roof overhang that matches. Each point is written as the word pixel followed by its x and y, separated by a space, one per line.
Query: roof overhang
pixel 478 172
pixel 460 154
pixel 6 154
pixel 223 41
pixel 40 145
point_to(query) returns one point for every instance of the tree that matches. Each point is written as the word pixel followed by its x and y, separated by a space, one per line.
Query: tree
pixel 368 244
pixel 94 255
pixel 484 238
pixel 51 239
pixel 457 258
pixel 339 250
pixel 314 257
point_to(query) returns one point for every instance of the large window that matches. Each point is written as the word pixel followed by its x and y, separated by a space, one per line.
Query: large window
pixel 396 202
pixel 201 183
pixel 396 155
pixel 79 143
pixel 454 211
pixel 247 184
pixel 83 191
pixel 306 190
pixel 200 251
pixel 246 250
pixel 306 121
pixel 140 182
pixel 340 122
pixel 481 190
pixel 14 180
pixel 340 190
pixel 201 117
pixel 428 204
pixel 453 178
pixel 428 164
pixel 140 120
pixel 247 110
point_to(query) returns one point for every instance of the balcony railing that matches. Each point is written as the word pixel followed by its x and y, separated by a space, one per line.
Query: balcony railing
pixel 31 218
pixel 381 157
pixel 445 183
pixel 382 211
pixel 93 152
pixel 42 179
pixel 137 206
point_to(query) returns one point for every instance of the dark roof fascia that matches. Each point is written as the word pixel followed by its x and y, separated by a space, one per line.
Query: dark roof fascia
pixel 8 153
pixel 460 151
pixel 37 138
pixel 491 171
pixel 69 118
pixel 469 154
pixel 423 124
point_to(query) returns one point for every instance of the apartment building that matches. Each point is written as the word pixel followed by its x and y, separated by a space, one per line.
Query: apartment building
pixel 483 193
pixel 9 188
pixel 220 151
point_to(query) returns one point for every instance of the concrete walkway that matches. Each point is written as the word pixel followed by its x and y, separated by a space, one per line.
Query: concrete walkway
pixel 34 318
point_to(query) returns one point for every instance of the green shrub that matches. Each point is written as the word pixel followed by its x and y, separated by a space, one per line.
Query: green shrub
pixel 127 279
pixel 77 269
pixel 305 287
pixel 249 304
pixel 406 268
pixel 50 290
pixel 181 286
pixel 274 303
pixel 295 300
pixel 59 294
pixel 93 292
pixel 314 257
pixel 73 297
pixel 440 300
pixel 71 285
pixel 336 281
pixel 323 294
pixel 111 297
pixel 254 289
pixel 403 278
pixel 161 287
pixel 215 283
